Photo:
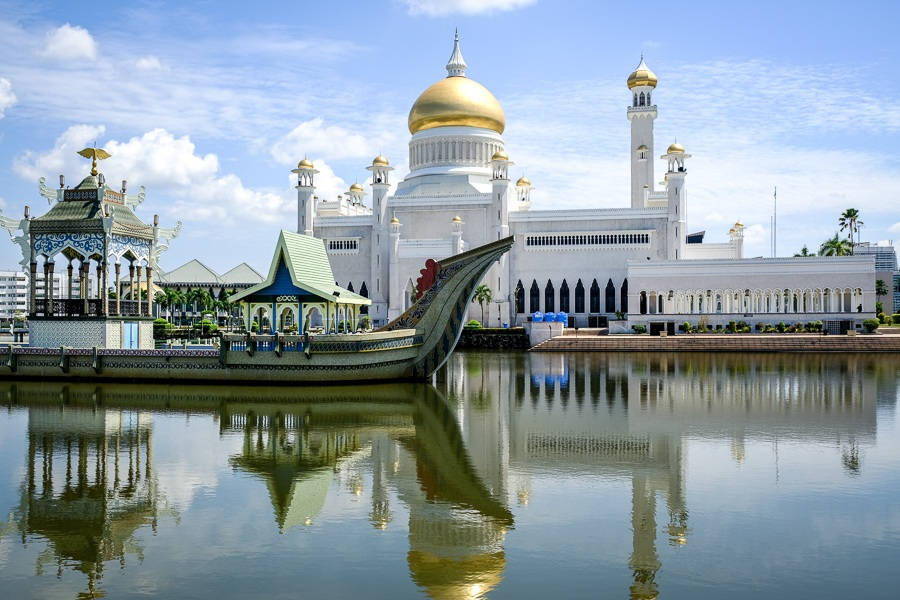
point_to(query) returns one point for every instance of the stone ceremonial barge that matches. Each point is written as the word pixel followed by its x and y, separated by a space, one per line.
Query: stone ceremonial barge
pixel 413 346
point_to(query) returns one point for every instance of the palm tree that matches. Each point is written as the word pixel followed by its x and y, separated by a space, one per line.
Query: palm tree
pixel 835 246
pixel 804 252
pixel 881 288
pixel 162 299
pixel 850 220
pixel 483 295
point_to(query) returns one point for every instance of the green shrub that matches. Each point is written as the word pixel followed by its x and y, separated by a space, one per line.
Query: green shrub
pixel 896 318
pixel 880 317
pixel 889 320
pixel 639 328
pixel 741 325
pixel 620 315
pixel 760 326
pixel 473 324
pixel 870 325
pixel 254 326
pixel 365 322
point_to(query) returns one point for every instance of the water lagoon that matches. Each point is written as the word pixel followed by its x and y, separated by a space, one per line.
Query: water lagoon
pixel 515 475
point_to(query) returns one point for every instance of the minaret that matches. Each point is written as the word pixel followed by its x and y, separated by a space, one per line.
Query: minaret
pixel 641 113
pixel 675 192
pixel 523 193
pixel 378 285
pixel 356 193
pixel 498 274
pixel 305 204
pixel 737 239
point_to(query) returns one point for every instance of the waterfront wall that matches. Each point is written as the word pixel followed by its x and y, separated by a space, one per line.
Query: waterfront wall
pixel 513 338
pixel 724 343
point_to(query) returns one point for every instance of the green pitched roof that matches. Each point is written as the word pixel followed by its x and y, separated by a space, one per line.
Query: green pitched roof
pixel 89 212
pixel 307 262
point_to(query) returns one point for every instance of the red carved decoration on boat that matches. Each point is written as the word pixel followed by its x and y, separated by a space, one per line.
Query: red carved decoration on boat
pixel 427 277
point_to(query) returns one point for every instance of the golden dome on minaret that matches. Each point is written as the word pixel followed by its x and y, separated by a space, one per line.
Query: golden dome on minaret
pixel 642 76
pixel 356 187
pixel 675 148
pixel 380 161
pixel 523 181
pixel 456 101
pixel 305 164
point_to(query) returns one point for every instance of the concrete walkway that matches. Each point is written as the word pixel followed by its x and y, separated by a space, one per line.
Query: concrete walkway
pixel 793 342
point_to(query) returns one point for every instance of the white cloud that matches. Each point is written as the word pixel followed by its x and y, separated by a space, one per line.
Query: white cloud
pixel 7 98
pixel 70 43
pixel 171 169
pixel 895 227
pixel 313 137
pixel 442 8
pixel 148 63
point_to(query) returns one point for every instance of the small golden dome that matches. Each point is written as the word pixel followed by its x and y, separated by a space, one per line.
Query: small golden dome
pixel 642 76
pixel 380 161
pixel 675 148
pixel 500 155
pixel 395 221
pixel 305 164
pixel 642 148
pixel 738 224
pixel 456 100
pixel 356 188
pixel 523 181
pixel 456 219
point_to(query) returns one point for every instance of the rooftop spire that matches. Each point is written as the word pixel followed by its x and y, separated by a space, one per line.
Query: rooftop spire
pixel 94 154
pixel 456 67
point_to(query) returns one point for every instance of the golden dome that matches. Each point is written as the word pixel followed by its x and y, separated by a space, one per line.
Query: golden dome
pixel 675 148
pixel 642 76
pixel 356 188
pixel 380 161
pixel 500 155
pixel 456 100
pixel 456 219
pixel 523 181
pixel 642 148
pixel 395 221
pixel 305 164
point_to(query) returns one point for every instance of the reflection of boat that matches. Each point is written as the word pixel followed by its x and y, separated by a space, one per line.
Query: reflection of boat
pixel 412 346
pixel 303 443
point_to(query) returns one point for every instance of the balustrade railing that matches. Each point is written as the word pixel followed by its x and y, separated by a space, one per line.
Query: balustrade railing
pixel 92 307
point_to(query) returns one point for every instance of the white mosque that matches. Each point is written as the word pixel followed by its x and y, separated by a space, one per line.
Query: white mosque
pixel 639 261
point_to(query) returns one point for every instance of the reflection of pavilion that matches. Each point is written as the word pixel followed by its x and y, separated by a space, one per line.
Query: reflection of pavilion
pixel 88 486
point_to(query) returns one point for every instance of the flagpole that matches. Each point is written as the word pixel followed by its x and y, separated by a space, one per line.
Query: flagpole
pixel 775 225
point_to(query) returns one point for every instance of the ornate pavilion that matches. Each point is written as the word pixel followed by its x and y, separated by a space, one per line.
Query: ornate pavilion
pixel 93 229
pixel 300 284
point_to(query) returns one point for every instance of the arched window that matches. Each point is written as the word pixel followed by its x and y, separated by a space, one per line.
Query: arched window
pixel 642 98
pixel 595 297
pixel 364 292
pixel 623 295
pixel 648 99
pixel 579 297
pixel 643 303
pixel 610 297
pixel 635 100
pixel 520 298
pixel 549 304
pixel 534 297
pixel 564 297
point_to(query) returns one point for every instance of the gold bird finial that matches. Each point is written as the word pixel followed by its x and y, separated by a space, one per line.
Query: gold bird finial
pixel 94 154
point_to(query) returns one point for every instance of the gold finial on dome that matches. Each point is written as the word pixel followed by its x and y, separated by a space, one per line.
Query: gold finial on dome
pixel 380 161
pixel 456 100
pixel 523 181
pixel 305 164
pixel 642 75
pixel 500 155
pixel 675 148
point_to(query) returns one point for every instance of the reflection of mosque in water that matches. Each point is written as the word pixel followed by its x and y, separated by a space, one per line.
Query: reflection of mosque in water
pixel 615 415
pixel 455 455
pixel 88 486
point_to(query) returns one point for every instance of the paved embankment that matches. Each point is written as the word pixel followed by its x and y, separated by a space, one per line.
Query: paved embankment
pixel 724 343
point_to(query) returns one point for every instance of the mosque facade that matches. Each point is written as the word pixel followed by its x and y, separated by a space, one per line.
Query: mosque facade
pixel 590 263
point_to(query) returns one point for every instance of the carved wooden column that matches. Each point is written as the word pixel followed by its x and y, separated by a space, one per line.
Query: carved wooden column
pixel 32 288
pixel 84 284
pixel 118 288
pixel 69 281
pixel 137 280
pixel 48 284
pixel 131 281
pixel 103 291
pixel 149 291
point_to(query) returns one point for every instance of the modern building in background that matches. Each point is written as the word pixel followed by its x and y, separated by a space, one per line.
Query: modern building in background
pixel 885 269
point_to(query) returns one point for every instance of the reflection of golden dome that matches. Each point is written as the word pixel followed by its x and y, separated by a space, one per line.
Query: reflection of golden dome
pixel 456 219
pixel 380 161
pixel 456 100
pixel 305 164
pixel 356 188
pixel 523 181
pixel 675 148
pixel 500 155
pixel 642 76
pixel 466 577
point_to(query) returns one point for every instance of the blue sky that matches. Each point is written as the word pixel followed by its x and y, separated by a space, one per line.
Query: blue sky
pixel 210 104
